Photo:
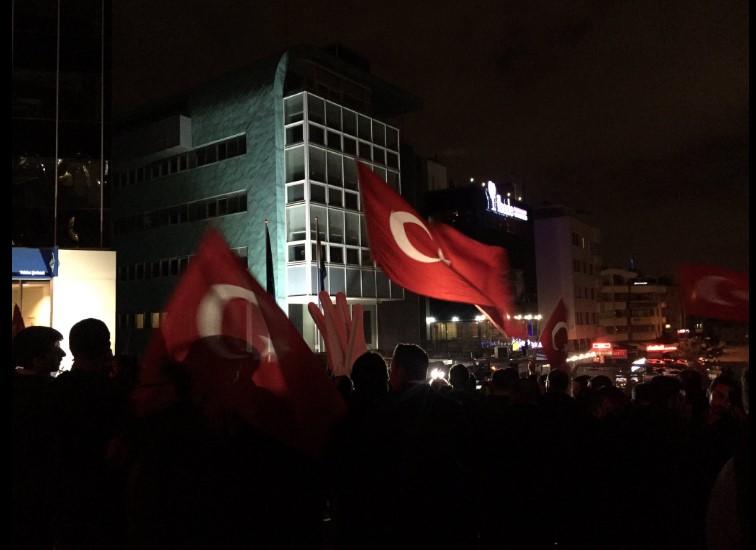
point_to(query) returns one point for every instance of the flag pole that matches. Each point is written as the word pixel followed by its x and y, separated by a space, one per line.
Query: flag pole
pixel 270 279
pixel 320 337
pixel 317 257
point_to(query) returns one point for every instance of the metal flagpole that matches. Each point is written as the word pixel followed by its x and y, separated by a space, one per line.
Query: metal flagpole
pixel 319 336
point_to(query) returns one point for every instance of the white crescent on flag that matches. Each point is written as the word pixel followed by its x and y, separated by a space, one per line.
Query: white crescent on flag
pixel 557 328
pixel 397 220
pixel 708 289
pixel 210 318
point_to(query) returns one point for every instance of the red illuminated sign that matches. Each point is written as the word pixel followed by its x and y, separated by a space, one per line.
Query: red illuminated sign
pixel 602 348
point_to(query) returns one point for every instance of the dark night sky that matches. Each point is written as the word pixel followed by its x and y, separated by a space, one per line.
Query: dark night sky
pixel 634 114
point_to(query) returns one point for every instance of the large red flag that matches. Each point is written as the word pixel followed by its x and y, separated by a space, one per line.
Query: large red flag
pixel 434 259
pixel 554 338
pixel 244 358
pixel 709 291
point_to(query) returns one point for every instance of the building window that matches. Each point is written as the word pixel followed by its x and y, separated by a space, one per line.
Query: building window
pixel 295 164
pixel 349 119
pixel 317 135
pixel 294 134
pixel 294 109
pixel 315 109
pixel 317 164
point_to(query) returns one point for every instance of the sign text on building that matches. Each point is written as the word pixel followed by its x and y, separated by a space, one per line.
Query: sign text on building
pixel 503 207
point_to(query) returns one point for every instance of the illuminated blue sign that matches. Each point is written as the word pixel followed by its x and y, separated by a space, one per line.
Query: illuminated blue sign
pixel 34 263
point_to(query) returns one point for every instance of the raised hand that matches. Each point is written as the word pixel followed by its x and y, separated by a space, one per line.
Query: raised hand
pixel 342 332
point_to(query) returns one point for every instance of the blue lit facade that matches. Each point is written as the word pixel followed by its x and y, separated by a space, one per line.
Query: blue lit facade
pixel 274 141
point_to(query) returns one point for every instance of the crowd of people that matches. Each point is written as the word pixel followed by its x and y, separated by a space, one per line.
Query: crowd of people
pixel 521 462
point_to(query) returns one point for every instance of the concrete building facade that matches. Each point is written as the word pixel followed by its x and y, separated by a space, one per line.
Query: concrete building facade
pixel 568 267
pixel 275 141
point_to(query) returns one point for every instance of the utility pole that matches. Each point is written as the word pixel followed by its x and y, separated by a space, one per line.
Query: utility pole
pixel 629 314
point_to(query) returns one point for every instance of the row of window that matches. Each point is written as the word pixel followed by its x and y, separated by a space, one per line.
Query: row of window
pixel 342 143
pixel 326 168
pixel 302 280
pixel 650 299
pixel 204 209
pixel 585 292
pixel 335 117
pixel 622 313
pixel 582 242
pixel 579 266
pixel 165 267
pixel 208 154
pixel 636 330
pixel 305 74
pixel 334 254
pixel 334 225
pixel 139 321
pixel 586 318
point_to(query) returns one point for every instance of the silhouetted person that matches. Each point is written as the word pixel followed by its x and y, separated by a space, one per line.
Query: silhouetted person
pixel 716 443
pixel 89 416
pixel 370 377
pixel 571 435
pixel 512 493
pixel 585 396
pixel 350 461
pixel 416 430
pixel 600 381
pixel 203 476
pixel 345 386
pixel 36 356
pixel 124 371
pixel 501 387
pixel 459 377
pixel 695 396
pixel 728 505
pixel 580 384
pixel 657 432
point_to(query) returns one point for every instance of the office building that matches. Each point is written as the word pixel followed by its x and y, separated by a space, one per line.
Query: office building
pixel 274 141
pixel 568 267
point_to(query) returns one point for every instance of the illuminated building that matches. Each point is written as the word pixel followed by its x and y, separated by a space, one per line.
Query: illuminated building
pixel 273 141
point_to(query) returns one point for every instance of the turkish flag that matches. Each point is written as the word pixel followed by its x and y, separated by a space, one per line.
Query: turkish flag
pixel 554 338
pixel 244 359
pixel 709 291
pixel 434 259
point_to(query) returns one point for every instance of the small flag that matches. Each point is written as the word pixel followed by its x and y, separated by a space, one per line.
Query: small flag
pixel 554 338
pixel 270 276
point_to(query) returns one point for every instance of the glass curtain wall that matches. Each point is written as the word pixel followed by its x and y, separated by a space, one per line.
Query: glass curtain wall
pixel 59 124
pixel 322 141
